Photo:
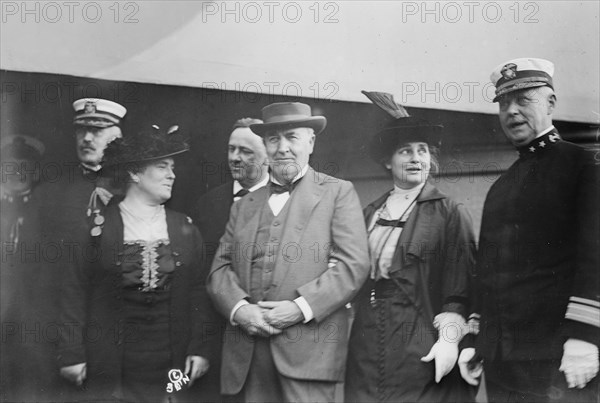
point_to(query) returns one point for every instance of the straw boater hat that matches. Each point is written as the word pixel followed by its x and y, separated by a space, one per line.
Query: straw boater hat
pixel 287 115
pixel 403 128
pixel 97 112
pixel 519 74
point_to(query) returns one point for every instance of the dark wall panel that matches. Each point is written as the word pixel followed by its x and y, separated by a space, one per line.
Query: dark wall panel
pixel 474 150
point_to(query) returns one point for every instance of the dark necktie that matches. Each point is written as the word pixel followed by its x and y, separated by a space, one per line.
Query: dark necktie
pixel 241 193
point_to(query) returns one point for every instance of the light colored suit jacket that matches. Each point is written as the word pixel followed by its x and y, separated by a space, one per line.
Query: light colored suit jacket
pixel 324 221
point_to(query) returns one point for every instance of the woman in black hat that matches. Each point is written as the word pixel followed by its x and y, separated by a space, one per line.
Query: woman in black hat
pixel 410 314
pixel 137 306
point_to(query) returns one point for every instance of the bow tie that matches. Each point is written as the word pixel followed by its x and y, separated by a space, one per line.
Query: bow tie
pixel 390 223
pixel 276 188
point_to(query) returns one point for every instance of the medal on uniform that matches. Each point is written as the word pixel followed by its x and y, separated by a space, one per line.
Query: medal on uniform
pixel 99 220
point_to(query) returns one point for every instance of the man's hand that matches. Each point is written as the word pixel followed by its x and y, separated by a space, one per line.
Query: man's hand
pixel 579 362
pixel 75 373
pixel 250 317
pixel 470 370
pixel 195 367
pixel 281 314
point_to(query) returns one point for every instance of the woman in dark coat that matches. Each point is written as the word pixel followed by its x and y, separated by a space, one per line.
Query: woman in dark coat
pixel 135 309
pixel 410 314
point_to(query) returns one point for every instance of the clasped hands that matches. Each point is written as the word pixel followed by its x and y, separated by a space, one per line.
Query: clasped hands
pixel 268 318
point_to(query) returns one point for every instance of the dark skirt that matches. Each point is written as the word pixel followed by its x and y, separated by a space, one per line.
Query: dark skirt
pixel 147 347
pixel 389 336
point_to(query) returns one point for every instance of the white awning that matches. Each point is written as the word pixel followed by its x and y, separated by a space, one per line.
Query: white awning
pixel 429 54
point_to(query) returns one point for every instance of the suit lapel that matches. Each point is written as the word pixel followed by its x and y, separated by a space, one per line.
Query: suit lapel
pixel 304 199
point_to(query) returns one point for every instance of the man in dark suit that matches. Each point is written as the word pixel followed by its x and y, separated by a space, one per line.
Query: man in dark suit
pixel 247 160
pixel 293 254
pixel 538 263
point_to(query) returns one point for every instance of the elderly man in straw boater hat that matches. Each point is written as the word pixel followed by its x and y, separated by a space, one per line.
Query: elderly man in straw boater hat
pixel 293 254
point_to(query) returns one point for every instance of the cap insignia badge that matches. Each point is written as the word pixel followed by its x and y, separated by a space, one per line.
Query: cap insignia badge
pixel 509 71
pixel 90 107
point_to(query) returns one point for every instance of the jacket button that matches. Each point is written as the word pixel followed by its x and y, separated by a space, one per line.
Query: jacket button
pixel 178 264
pixel 175 253
pixel 276 223
pixel 118 263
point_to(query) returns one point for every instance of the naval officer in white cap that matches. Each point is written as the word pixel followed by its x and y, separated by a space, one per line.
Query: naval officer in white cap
pixel 538 277
pixel 72 206
pixel 76 201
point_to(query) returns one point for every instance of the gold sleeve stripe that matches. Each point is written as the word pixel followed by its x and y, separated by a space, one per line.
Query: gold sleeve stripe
pixel 585 301
pixel 583 313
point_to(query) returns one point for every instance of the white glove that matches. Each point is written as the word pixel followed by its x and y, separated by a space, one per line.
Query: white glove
pixel 579 362
pixel 451 327
pixel 445 355
pixel 470 372
pixel 75 373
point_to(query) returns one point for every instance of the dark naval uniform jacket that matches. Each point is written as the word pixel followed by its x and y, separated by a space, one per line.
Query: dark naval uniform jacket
pixel 538 266
pixel 66 201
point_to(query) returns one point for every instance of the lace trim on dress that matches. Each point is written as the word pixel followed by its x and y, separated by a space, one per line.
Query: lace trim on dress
pixel 149 262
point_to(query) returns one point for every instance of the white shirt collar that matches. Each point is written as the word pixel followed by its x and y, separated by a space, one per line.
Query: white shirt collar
pixel 403 192
pixel 548 130
pixel 237 186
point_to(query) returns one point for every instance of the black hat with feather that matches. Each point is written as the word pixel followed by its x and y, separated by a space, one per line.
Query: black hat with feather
pixel 144 146
pixel 403 128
